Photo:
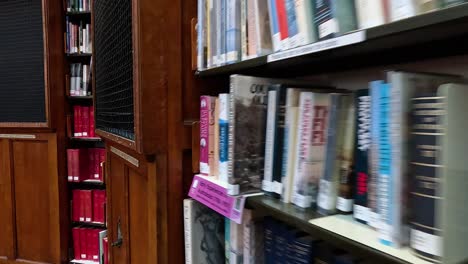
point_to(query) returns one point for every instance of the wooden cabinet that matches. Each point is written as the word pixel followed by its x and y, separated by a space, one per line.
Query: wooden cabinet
pixel 30 194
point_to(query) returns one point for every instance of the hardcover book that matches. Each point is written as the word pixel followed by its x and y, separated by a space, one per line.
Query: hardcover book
pixel 370 13
pixel 206 108
pixel 204 234
pixel 282 23
pixel 305 22
pixel 293 31
pixel 333 18
pixel 201 34
pixel 262 19
pixel 275 34
pixel 400 9
pixel 233 31
pixel 223 136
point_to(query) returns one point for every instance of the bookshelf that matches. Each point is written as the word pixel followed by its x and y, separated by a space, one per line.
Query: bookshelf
pixel 425 38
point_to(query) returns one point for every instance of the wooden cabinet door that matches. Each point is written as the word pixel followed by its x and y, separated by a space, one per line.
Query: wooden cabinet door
pixel 29 199
pixel 131 208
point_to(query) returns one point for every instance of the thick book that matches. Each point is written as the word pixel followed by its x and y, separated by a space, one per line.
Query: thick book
pixel 233 31
pixel 253 237
pixel 274 27
pixel 85 121
pixel 223 120
pixel 305 22
pixel 88 205
pixel 263 31
pixel 99 203
pixel 236 243
pixel 83 243
pixel 213 17
pixel 250 36
pixel 76 165
pixel 77 121
pixel 221 28
pixel 70 165
pixel 204 234
pixel 206 130
pixel 333 18
pixel 345 201
pixel 76 205
pixel 370 13
pixel 92 123
pixel 201 34
pixel 363 144
pixel 102 247
pixel 212 139
pixel 76 243
pixel 394 230
pixel 310 147
pixel 293 29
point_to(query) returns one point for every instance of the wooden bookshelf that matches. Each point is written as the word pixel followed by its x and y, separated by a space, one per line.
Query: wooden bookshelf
pixel 89 224
pixel 78 13
pixel 87 139
pixel 430 35
pixel 79 55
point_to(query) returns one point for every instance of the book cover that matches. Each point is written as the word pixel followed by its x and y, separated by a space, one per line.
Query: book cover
pixel 88 205
pixel 83 243
pixel 221 36
pixel 262 19
pixel 212 143
pixel 92 123
pixel 70 165
pixel 204 234
pixel 250 36
pixel 201 34
pixel 327 192
pixel 85 121
pixel 370 13
pixel 76 210
pixel 345 201
pixel 427 112
pixel 400 9
pixel 282 24
pixel 76 242
pixel 305 22
pixel 293 30
pixel 363 144
pixel 205 105
pixel 334 18
pixel 223 136
pixel 310 147
pixel 404 86
pixel 275 34
pixel 233 31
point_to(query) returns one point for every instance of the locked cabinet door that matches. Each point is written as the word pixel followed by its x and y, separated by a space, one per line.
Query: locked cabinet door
pixel 131 207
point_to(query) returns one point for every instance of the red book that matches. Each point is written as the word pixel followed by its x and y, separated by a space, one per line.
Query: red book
pixel 92 121
pixel 99 199
pixel 70 165
pixel 89 244
pixel 105 244
pixel 85 120
pixel 83 243
pixel 81 205
pixel 76 206
pixel 95 244
pixel 96 164
pixel 282 19
pixel 102 154
pixel 76 165
pixel 88 205
pixel 76 116
pixel 76 242
pixel 84 164
pixel 92 164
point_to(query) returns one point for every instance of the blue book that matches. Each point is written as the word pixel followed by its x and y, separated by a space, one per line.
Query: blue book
pixel 275 33
pixel 384 179
pixel 292 23
pixel 201 35
pixel 233 32
pixel 222 34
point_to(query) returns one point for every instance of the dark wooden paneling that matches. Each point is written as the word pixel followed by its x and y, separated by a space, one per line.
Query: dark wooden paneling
pixel 7 248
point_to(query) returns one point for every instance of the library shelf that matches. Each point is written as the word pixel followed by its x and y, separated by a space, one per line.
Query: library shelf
pixel 89 224
pixel 340 230
pixel 73 55
pixel 78 13
pixel 88 184
pixel 80 261
pixel 71 97
pixel 435 34
pixel 94 139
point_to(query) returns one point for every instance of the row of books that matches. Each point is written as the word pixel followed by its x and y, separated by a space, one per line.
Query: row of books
pixel 211 238
pixel 89 206
pixel 80 79
pixel 90 244
pixel 338 150
pixel 77 37
pixel 234 30
pixel 83 121
pixel 78 5
pixel 85 164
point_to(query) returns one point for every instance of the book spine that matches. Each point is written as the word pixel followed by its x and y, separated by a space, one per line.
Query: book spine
pixel 95 243
pixel 374 154
pixel 227 238
pixel 289 144
pixel 269 240
pixel 426 130
pixel 92 123
pixel 448 3
pixel 67 34
pixel 223 136
pixel 83 243
pixel 282 24
pixel 400 9
pixel 188 220
pixel 344 13
pixel 75 165
pixel 248 236
pixel 275 35
pixel 214 31
pixel 205 102
pixel 201 34
pixel 251 38
pixel 88 206
pixel 264 44
pixel 85 121
pixel 304 248
pixel 233 30
pixel 280 231
pixel 76 205
pixel 233 187
pixel 91 162
pixel 215 167
pixel 78 79
pixel 300 193
pixel 305 22
pixel 345 200
pixel 326 200
pixel 293 30
pixel 69 165
pixel 326 25
pixel 279 165
pixel 211 134
pixel 89 244
pixel 370 13
pixel 76 123
pixel 236 243
pixel 244 48
pixel 222 31
pixel 76 243
pixel 267 184
pixel 363 141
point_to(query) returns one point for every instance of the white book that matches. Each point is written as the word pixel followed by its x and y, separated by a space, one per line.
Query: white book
pixel 201 34
pixel 305 22
pixel 262 19
pixel 370 13
pixel 236 242
pixel 78 78
pixel 223 120
pixel 267 184
pixel 400 9
pixel 85 80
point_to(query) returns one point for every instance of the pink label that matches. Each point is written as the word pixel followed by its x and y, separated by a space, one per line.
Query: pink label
pixel 215 197
pixel 204 133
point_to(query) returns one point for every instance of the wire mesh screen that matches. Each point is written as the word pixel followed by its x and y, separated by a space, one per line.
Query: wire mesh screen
pixel 114 67
pixel 22 87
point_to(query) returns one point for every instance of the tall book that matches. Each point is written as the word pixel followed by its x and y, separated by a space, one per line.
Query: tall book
pixel 400 9
pixel 370 13
pixel 207 107
pixel 201 34
pixel 221 28
pixel 282 23
pixel 333 18
pixel 310 149
pixel 236 243
pixel 233 31
pixel 214 167
pixel 345 200
pixel 305 22
pixel 363 143
pixel 223 120
pixel 263 31
pixel 213 18
pixel 293 29
pixel 275 34
pixel 209 34
pixel 227 239
pixel 204 234
pixel 404 86
pixel 249 38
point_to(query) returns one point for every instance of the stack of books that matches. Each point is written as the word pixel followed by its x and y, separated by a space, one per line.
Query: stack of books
pixel 89 244
pixel 80 79
pixel 88 206
pixel 78 37
pixel 78 5
pixel 85 164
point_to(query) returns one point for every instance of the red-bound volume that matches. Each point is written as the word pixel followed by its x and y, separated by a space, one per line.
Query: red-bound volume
pixel 95 244
pixel 105 245
pixel 88 205
pixel 282 19
pixel 92 122
pixel 97 164
pixel 102 154
pixel 89 243
pixel 99 199
pixel 85 120
pixel 83 243
pixel 91 163
pixel 70 165
pixel 76 164
pixel 83 164
pixel 76 242
pixel 76 117
pixel 81 204
pixel 76 206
